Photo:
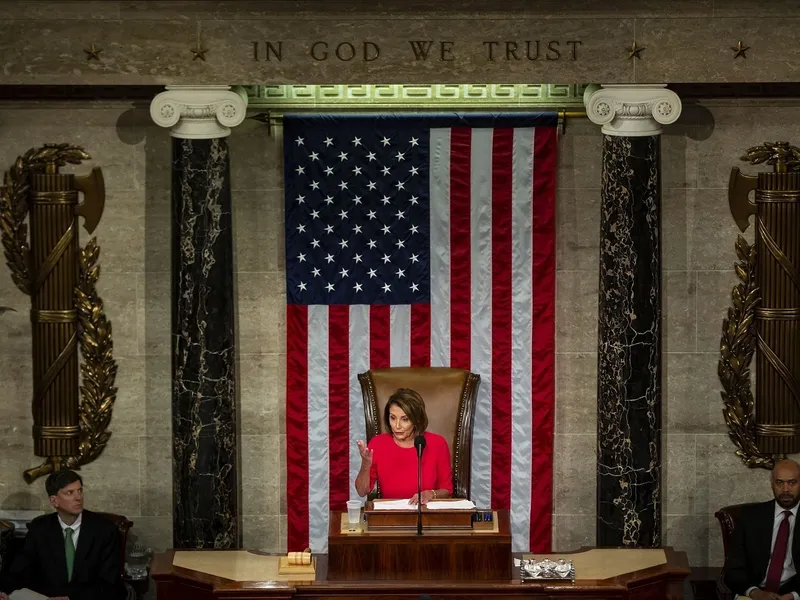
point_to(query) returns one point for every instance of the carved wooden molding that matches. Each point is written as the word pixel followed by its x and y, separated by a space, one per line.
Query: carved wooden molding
pixel 410 96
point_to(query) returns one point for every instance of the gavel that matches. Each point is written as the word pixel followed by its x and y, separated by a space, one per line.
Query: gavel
pixel 300 558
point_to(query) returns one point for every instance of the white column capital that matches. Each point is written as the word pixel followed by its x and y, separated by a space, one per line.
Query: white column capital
pixel 632 110
pixel 199 111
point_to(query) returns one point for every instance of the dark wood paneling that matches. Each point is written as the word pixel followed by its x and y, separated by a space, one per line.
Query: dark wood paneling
pixel 664 582
pixel 403 555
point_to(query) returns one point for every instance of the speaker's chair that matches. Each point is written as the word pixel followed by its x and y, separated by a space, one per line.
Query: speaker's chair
pixel 449 396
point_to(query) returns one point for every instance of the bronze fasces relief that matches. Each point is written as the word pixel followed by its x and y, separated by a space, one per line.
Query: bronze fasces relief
pixel 764 318
pixel 39 212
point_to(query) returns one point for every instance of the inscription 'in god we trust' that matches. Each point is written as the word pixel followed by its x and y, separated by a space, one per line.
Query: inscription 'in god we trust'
pixel 424 50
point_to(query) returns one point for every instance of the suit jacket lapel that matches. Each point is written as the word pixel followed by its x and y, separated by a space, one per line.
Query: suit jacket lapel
pixel 764 551
pixel 56 534
pixel 85 540
pixel 796 541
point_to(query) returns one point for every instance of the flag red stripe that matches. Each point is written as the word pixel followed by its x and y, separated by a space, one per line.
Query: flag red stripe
pixel 379 336
pixel 339 405
pixel 502 165
pixel 543 357
pixel 420 335
pixel 460 264
pixel 297 425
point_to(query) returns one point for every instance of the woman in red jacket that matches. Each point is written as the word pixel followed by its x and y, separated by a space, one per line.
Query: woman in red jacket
pixel 391 458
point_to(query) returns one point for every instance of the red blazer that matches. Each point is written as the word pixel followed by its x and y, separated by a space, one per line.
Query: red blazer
pixel 395 468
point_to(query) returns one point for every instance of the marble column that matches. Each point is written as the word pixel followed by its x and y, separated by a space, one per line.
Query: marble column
pixel 629 311
pixel 205 473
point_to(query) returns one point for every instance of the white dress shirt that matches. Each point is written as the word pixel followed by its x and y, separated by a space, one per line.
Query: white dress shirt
pixel 76 530
pixel 788 564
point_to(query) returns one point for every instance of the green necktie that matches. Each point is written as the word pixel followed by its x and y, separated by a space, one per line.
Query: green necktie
pixel 69 551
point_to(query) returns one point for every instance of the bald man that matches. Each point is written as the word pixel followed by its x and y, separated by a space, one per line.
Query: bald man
pixel 761 561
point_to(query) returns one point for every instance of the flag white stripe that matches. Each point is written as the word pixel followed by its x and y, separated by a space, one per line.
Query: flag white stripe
pixel 400 335
pixel 359 363
pixel 439 180
pixel 522 340
pixel 318 449
pixel 481 304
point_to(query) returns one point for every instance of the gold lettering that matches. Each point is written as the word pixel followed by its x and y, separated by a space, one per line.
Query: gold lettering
pixel 511 50
pixel 528 50
pixel 490 46
pixel 314 51
pixel 574 44
pixel 270 50
pixel 553 50
pixel 446 51
pixel 351 50
pixel 278 53
pixel 371 46
pixel 367 51
pixel 421 48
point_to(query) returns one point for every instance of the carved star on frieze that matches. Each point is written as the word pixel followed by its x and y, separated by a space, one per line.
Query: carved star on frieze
pixel 634 51
pixel 199 52
pixel 739 50
pixel 93 52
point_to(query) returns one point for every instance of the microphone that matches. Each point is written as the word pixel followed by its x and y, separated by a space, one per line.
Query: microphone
pixel 419 444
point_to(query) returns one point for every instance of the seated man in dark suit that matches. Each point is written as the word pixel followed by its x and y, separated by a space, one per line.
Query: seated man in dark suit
pixel 761 562
pixel 72 553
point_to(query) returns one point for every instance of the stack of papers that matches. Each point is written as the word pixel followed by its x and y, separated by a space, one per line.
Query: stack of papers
pixel 432 505
pixel 450 505
pixel 393 505
pixel 26 594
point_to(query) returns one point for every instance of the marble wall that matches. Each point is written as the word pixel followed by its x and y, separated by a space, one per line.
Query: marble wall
pixel 701 472
pixel 133 476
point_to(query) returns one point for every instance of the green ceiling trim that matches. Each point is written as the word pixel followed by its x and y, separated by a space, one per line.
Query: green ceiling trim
pixel 479 96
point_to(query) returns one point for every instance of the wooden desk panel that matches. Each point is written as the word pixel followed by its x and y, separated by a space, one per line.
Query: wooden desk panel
pixel 434 556
pixel 663 582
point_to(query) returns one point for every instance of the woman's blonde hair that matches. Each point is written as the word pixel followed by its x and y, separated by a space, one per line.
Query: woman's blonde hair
pixel 411 403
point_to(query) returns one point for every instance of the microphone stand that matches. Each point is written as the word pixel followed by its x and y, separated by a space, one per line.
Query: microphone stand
pixel 419 443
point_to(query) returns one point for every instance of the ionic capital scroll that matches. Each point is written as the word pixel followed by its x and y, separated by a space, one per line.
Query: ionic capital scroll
pixel 632 110
pixel 199 112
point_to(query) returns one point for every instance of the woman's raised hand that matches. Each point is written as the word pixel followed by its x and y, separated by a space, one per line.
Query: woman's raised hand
pixel 366 454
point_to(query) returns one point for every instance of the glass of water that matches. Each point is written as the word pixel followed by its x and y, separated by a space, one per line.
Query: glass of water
pixel 138 562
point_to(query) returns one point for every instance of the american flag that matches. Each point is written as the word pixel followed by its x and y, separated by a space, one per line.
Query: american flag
pixel 420 241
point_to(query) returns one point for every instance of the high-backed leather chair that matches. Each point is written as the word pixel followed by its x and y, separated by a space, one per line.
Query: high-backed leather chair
pixel 124 525
pixel 449 396
pixel 728 517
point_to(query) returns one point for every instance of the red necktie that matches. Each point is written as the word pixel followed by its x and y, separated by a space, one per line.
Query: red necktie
pixel 778 555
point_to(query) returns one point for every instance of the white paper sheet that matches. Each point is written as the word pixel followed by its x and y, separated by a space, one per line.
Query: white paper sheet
pixel 450 505
pixel 393 505
pixel 26 594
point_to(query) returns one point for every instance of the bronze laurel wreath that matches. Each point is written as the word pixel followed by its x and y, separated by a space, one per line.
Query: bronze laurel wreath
pixel 98 368
pixel 14 203
pixel 736 347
